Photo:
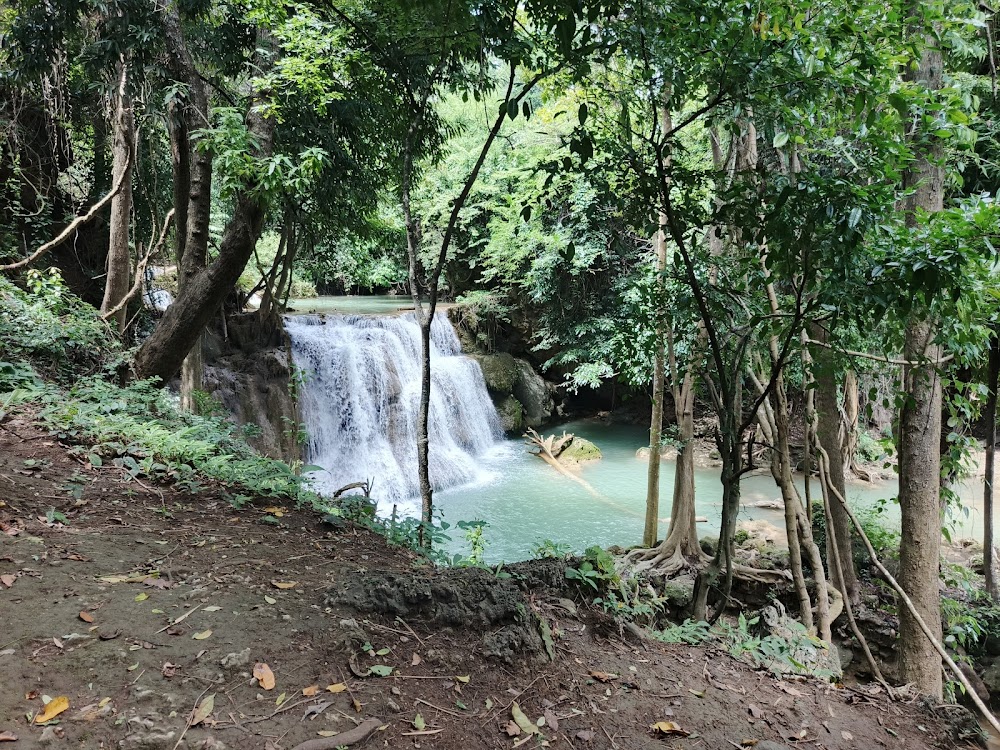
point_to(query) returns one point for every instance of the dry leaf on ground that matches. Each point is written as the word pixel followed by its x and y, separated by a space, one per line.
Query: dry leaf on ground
pixel 202 635
pixel 86 616
pixel 603 676
pixel 311 690
pixel 338 688
pixel 7 580
pixel 284 584
pixel 669 727
pixel 8 737
pixel 264 675
pixel 54 707
pixel 203 711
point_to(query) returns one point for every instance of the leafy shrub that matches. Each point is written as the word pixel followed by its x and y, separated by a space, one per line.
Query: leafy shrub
pixel 49 330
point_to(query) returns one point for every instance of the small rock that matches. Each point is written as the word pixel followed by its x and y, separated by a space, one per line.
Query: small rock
pixel 236 659
pixel 49 736
pixel 392 705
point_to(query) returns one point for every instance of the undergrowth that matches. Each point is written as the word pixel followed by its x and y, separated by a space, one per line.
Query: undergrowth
pixel 59 356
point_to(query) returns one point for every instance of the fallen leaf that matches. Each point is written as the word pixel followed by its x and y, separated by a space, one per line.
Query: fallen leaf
pixel 603 676
pixel 697 693
pixel 86 616
pixel 270 599
pixel 211 609
pixel 8 652
pixel 382 670
pixel 418 723
pixel 526 724
pixel 174 630
pixel 32 694
pixel 847 735
pixel 338 688
pixel 315 710
pixel 169 670
pixel 327 733
pixel 204 710
pixel 755 711
pixel 416 660
pixel 357 705
pixel 464 680
pixel 284 584
pixel 133 667
pixel 551 721
pixel 157 583
pixel 585 735
pixel 8 737
pixel 109 636
pixel 141 597
pixel 55 707
pixel 281 699
pixel 669 727
pixel 275 511
pixel 264 675
pixel 311 690
pixel 513 729
pixel 7 580
pixel 202 635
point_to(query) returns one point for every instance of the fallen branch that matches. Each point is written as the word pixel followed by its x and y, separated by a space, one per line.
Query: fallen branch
pixel 548 450
pixel 970 691
pixel 140 269
pixel 344 739
pixel 75 224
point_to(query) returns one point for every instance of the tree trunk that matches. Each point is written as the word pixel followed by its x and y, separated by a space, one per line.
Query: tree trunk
pixel 920 433
pixel 649 534
pixel 119 272
pixel 828 434
pixel 850 426
pixel 192 202
pixel 181 326
pixel 989 553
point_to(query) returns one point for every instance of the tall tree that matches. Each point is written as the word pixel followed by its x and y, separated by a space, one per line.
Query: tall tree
pixel 920 417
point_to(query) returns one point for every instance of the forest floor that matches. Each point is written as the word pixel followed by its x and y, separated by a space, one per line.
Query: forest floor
pixel 138 605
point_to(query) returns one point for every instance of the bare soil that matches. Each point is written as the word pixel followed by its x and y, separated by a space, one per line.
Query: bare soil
pixel 147 602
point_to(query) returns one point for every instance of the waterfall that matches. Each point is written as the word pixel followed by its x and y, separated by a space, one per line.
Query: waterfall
pixel 361 395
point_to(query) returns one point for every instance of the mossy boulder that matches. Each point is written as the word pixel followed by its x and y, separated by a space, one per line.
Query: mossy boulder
pixel 500 372
pixel 579 451
pixel 534 394
pixel 511 414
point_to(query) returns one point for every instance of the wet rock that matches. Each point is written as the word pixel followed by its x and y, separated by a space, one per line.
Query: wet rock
pixel 533 393
pixel 500 372
pixel 236 659
pixel 511 414
pixel 579 451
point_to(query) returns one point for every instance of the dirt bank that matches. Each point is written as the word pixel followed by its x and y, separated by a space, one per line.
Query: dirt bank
pixel 138 604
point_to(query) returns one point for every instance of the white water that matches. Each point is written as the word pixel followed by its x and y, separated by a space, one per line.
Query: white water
pixel 361 396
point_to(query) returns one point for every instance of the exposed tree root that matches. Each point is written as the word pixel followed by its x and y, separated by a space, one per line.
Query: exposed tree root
pixel 345 739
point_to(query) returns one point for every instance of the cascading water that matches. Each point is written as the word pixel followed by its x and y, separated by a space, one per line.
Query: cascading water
pixel 361 396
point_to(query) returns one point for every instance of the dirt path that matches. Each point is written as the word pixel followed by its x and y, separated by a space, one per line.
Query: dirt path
pixel 87 606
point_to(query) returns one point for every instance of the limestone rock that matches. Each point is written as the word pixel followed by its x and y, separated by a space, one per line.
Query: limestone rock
pixel 500 371
pixel 533 393
pixel 511 414
pixel 579 451
pixel 991 677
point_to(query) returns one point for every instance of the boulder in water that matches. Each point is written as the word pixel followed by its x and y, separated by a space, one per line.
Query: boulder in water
pixel 499 370
pixel 511 414
pixel 580 451
pixel 533 393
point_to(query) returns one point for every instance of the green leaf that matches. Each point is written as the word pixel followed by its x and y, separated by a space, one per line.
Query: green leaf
pixel 582 114
pixel 382 670
pixel 780 139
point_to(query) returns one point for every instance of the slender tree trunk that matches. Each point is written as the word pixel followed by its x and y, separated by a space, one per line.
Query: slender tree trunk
pixel 649 534
pixel 989 552
pixel 828 434
pixel 851 425
pixel 920 433
pixel 119 272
